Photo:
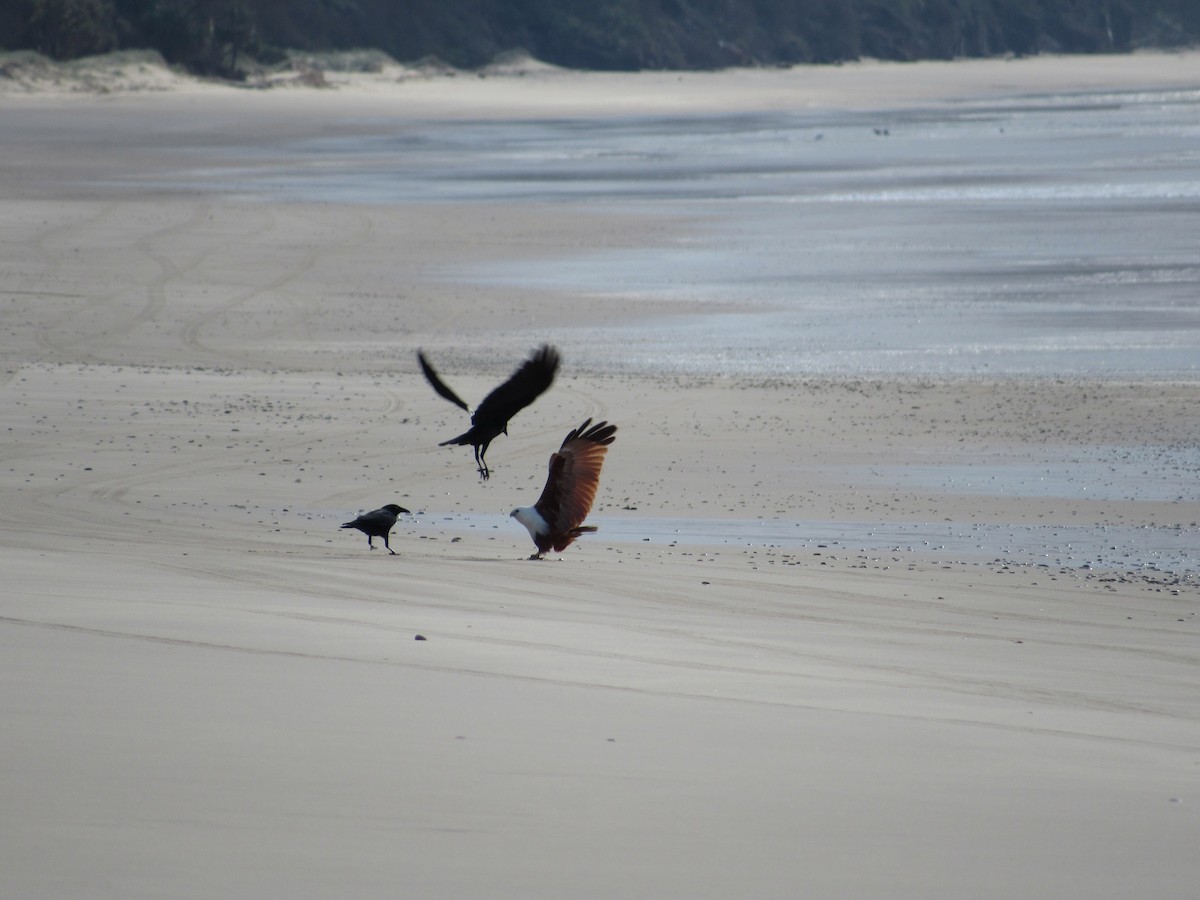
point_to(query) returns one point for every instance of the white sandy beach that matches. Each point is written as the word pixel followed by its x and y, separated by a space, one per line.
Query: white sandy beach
pixel 210 690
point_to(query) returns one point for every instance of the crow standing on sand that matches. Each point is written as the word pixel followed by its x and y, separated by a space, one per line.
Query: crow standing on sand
pixel 491 417
pixel 378 524
pixel 557 518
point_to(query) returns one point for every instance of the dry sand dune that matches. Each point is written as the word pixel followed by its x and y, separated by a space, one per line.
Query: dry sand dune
pixel 210 690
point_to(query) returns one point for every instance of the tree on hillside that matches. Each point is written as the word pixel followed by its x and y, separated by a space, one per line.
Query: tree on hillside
pixel 66 29
pixel 206 36
pixel 216 36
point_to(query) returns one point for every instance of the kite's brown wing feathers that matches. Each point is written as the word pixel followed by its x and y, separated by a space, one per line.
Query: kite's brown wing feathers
pixel 574 477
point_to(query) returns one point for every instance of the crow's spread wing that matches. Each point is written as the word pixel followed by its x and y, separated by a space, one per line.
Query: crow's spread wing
pixel 525 385
pixel 440 386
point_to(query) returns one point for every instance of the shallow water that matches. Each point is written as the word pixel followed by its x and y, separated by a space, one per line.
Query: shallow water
pixel 1107 474
pixel 1114 474
pixel 1164 549
pixel 1051 235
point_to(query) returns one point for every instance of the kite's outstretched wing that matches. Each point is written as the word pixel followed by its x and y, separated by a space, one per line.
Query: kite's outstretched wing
pixel 574 478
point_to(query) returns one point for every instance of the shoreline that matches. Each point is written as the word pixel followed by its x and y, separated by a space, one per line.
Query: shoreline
pixel 903 461
pixel 527 87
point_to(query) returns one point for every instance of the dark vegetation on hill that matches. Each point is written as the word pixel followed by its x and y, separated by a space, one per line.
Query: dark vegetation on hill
pixel 216 37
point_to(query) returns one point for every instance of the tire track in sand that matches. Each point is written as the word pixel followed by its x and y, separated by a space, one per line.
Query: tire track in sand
pixel 192 333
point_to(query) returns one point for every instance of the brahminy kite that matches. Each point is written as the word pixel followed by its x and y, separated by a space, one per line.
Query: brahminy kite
pixel 490 419
pixel 557 518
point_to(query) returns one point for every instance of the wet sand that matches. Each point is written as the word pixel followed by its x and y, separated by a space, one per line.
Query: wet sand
pixel 209 689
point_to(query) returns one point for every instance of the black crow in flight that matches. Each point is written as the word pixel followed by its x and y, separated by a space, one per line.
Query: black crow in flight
pixel 490 419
